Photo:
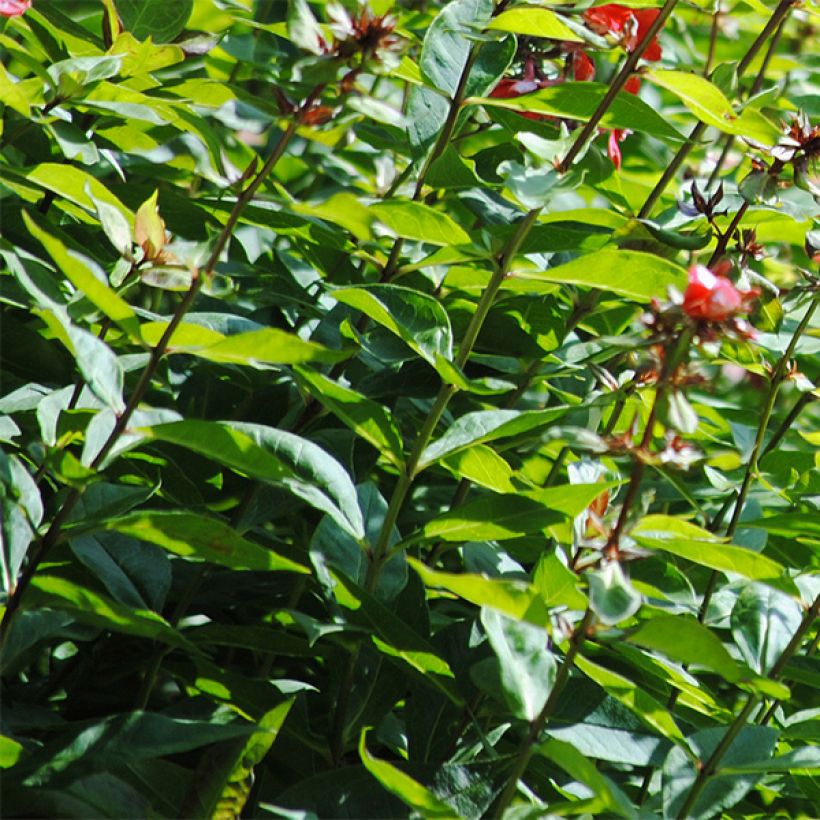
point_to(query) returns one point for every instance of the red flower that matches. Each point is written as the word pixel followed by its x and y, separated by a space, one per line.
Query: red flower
pixel 582 66
pixel 508 88
pixel 14 8
pixel 713 298
pixel 613 149
pixel 629 24
pixel 633 84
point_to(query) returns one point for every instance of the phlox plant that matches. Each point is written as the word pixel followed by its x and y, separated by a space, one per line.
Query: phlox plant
pixel 408 409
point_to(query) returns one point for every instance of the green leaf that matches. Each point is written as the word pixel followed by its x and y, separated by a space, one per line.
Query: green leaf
pixel 334 547
pixel 76 186
pixel 159 19
pixel 92 608
pixel 611 597
pixel 806 760
pixel 517 599
pixel 275 457
pixel 87 277
pixel 415 220
pixel 208 539
pixel 133 736
pixel 763 622
pixel 534 22
pixel 10 752
pixel 579 101
pixel 368 419
pixel 267 346
pixel 688 541
pixel 482 466
pixel 95 360
pixel 526 666
pixel 225 773
pixel 684 639
pixel 496 517
pixel 12 95
pixel 708 103
pixel 417 319
pixel 447 45
pixel 644 706
pixel 638 276
pixel 753 744
pixel 444 53
pixel 557 583
pixel 303 28
pixel 484 426
pixel 342 209
pixel 396 639
pixel 610 797
pixel 408 790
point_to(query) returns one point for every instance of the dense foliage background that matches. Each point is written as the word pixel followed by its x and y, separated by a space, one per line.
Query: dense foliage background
pixel 367 450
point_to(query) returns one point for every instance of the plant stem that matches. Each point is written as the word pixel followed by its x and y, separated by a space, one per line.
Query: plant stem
pixel 537 726
pixel 775 382
pixel 726 236
pixel 711 765
pixel 778 15
pixel 713 31
pixel 788 422
pixel 616 85
pixel 671 360
pixel 380 549
pixel 783 8
pixel 55 530
pixel 751 467
pixel 447 391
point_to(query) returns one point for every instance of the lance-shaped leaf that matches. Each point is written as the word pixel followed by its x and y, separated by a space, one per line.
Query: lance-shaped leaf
pixel 395 639
pixel 507 515
pixel 409 791
pixel 368 419
pixel 98 610
pixel 663 532
pixel 272 456
pixel 484 426
pixel 578 101
pixel 526 666
pixel 644 706
pixel 87 277
pixel 517 599
pixel 534 22
pixel 708 103
pixel 417 319
pixel 608 797
pixel 414 220
pixel 636 275
pixel 197 536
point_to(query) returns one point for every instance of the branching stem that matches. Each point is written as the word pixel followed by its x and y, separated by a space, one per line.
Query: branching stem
pixel 54 532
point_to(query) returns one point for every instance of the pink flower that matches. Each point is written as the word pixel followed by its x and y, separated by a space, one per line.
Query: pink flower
pixel 14 8
pixel 629 24
pixel 713 298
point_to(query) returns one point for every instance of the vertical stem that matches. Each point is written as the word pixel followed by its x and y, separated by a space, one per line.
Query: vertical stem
pixel 405 481
pixel 711 766
pixel 55 530
pixel 710 55
pixel 671 169
pixel 537 726
pixel 617 84
pixel 774 386
pixel 778 16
